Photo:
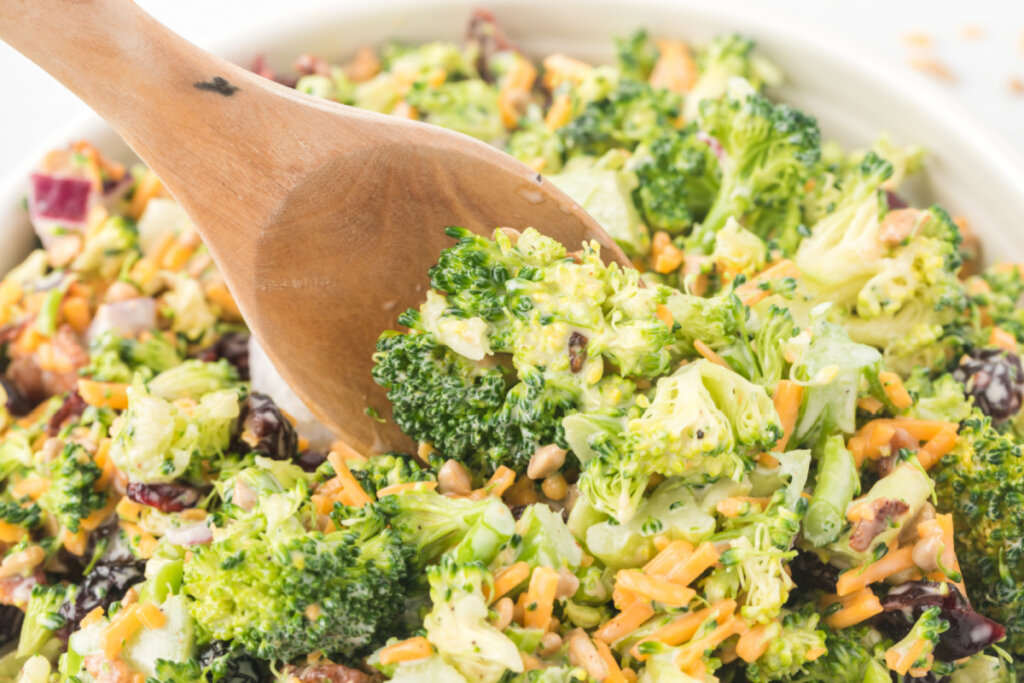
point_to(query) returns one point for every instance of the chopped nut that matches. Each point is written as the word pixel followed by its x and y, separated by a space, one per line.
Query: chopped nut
pixel 918 39
pixel 972 32
pixel 932 67
pixel 546 460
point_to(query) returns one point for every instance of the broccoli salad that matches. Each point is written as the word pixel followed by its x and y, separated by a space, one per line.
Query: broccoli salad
pixel 786 446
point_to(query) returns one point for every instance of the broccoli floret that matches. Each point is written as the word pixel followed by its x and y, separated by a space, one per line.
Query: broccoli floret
pixel 769 150
pixel 458 624
pixel 179 672
pixel 280 588
pixel 636 55
pixel 633 112
pixel 42 618
pixel 387 470
pixel 997 292
pixel 834 368
pixel 790 640
pixel 542 539
pixel 942 398
pixel 753 568
pixel 15 452
pixel 760 356
pixel 264 477
pixel 716 320
pixel 726 57
pixel 906 160
pixel 916 282
pixel 27 516
pixel 561 320
pixel 932 346
pixel 432 668
pixel 469 107
pixel 535 144
pixel 670 511
pixel 738 251
pixel 854 655
pixel 466 411
pixel 893 274
pixel 702 422
pixel 430 524
pixel 113 358
pixel 832 257
pixel 982 483
pixel 678 175
pixel 158 440
pixel 927 630
pixel 410 61
pixel 612 481
pixel 72 495
pixel 108 248
pixel 605 190
pixel 438 395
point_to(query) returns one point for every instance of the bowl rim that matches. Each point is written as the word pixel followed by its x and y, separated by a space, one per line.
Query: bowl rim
pixel 998 152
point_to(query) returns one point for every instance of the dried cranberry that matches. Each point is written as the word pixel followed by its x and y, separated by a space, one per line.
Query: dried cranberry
pixel 329 672
pixel 261 67
pixel 810 573
pixel 274 434
pixel 15 401
pixel 11 619
pixel 895 201
pixel 995 379
pixel 105 584
pixel 163 497
pixel 72 407
pixel 232 347
pixel 487 37
pixel 310 460
pixel 968 633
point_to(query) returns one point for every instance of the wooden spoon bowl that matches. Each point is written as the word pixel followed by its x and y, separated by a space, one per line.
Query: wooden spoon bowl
pixel 323 219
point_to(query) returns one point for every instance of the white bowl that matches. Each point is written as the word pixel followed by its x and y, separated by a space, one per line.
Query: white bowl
pixel 970 171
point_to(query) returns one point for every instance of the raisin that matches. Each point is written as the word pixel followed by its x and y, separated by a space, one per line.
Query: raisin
pixel 810 573
pixel 105 584
pixel 968 633
pixel 894 201
pixel 310 460
pixel 995 379
pixel 232 347
pixel 263 420
pixel 163 497
pixel 577 351
pixel 11 619
pixel 14 399
pixel 485 36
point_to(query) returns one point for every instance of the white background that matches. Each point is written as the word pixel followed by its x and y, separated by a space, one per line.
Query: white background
pixel 32 105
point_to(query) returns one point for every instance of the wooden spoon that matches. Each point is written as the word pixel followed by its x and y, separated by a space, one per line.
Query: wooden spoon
pixel 322 218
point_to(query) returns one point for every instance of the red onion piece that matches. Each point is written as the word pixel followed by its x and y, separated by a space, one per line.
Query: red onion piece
pixel 128 317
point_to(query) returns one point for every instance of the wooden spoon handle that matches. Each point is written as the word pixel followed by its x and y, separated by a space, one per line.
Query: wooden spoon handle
pixel 176 105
